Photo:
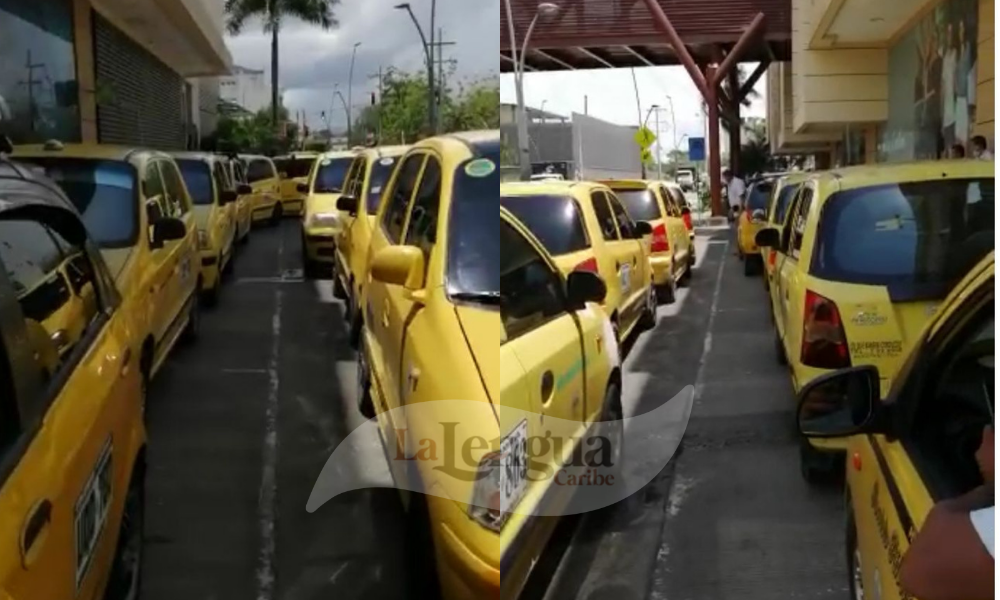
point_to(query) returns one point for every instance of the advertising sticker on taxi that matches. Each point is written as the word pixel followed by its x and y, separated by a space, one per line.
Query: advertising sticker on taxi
pixel 502 460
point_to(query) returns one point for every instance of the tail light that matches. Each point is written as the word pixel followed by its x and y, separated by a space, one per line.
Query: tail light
pixel 660 242
pixel 687 221
pixel 824 343
pixel 588 265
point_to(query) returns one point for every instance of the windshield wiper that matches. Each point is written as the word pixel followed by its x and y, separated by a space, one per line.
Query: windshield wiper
pixel 326 190
pixel 491 298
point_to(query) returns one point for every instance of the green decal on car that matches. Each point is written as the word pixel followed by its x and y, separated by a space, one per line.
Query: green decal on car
pixel 570 374
pixel 480 167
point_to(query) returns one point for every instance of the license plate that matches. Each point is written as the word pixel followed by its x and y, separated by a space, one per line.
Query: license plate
pixel 514 466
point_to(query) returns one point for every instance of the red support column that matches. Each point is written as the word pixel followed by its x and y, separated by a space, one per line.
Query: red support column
pixel 734 128
pixel 714 164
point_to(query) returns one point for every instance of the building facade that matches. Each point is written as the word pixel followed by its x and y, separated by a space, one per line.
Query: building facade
pixel 245 87
pixel 108 71
pixel 884 81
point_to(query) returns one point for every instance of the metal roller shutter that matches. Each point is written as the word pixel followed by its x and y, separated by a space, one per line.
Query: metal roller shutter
pixel 140 99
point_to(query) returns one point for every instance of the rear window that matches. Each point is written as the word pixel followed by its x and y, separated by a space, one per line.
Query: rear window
pixel 640 204
pixel 758 196
pixel 785 197
pixel 299 167
pixel 331 174
pixel 381 172
pixel 918 239
pixel 555 220
pixel 258 170
pixel 103 191
pixel 198 178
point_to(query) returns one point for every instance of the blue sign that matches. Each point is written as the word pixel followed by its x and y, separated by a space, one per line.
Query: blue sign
pixel 696 149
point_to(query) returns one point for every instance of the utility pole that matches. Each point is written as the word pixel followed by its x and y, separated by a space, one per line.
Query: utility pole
pixel 31 82
pixel 438 48
pixel 380 100
pixel 659 149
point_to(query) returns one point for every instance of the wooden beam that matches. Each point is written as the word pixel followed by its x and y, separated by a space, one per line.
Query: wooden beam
pixel 666 27
pixel 508 59
pixel 751 81
pixel 639 55
pixel 594 54
pixel 549 56
pixel 734 56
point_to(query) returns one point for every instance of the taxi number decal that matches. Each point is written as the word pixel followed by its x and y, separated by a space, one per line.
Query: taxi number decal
pixel 625 275
pixel 876 349
pixel 91 512
pixel 184 268
pixel 514 465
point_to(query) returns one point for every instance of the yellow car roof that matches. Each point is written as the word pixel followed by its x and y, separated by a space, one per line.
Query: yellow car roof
pixel 380 151
pixel 546 188
pixel 884 173
pixel 331 154
pixel 93 151
pixel 628 184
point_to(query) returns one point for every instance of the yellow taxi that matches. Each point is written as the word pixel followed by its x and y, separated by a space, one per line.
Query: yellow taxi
pixel 359 202
pixel 865 259
pixel 321 221
pixel 917 447
pixel 462 305
pixel 671 250
pixel 215 216
pixel 266 188
pixel 139 213
pixel 753 218
pixel 786 188
pixel 585 227
pixel 72 489
pixel 293 172
pixel 244 197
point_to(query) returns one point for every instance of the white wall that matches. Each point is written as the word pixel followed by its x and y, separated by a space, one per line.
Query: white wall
pixel 252 91
pixel 604 150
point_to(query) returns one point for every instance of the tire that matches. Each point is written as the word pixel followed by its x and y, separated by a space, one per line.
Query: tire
pixel 685 279
pixel 421 566
pixel 193 328
pixel 338 288
pixel 365 404
pixel 246 236
pixel 667 293
pixel 648 319
pixel 125 580
pixel 816 466
pixel 612 428
pixel 749 266
pixel 276 214
pixel 354 323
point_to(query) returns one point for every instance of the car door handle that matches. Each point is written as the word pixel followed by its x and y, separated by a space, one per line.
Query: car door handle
pixel 35 531
pixel 548 387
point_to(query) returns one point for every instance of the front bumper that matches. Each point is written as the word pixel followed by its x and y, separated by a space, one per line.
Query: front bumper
pixel 319 245
pixel 462 571
pixel 292 206
pixel 662 267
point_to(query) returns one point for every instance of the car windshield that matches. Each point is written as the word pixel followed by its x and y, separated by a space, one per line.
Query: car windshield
pixel 640 204
pixel 330 175
pixel 198 179
pixel 298 167
pixel 474 242
pixel 103 191
pixel 758 196
pixel 555 220
pixel 917 239
pixel 381 171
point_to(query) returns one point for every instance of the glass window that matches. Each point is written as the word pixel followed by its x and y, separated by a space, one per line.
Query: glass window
pixel 299 167
pixel 799 221
pixel 626 226
pixel 642 204
pixel 381 171
pixel 38 87
pixel 679 201
pixel 259 169
pixel 152 183
pixel 395 213
pixel 915 238
pixel 555 220
pixel 176 195
pixel 359 178
pixel 475 247
pixel 530 290
pixel 104 192
pixel 421 229
pixel 605 219
pixel 281 165
pixel 758 196
pixel 198 179
pixel 785 197
pixel 221 176
pixel 331 174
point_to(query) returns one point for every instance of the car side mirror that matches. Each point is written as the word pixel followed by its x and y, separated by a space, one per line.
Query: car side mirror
pixel 348 204
pixel 165 230
pixel 227 197
pixel 399 265
pixel 243 189
pixel 842 403
pixel 643 228
pixel 302 188
pixel 583 287
pixel 769 237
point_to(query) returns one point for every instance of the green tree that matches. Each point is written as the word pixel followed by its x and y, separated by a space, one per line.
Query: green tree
pixel 256 134
pixel 475 107
pixel 273 13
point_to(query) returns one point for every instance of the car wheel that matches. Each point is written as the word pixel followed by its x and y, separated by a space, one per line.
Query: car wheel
pixel 354 323
pixel 193 328
pixel 246 235
pixel 612 429
pixel 211 296
pixel 818 467
pixel 749 266
pixel 276 214
pixel 421 566
pixel 125 581
pixel 648 319
pixel 685 279
pixel 854 572
pixel 365 404
pixel 667 293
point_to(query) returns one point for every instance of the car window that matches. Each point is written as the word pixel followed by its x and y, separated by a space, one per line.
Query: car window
pixel 259 170
pixel 380 174
pixel 152 183
pixel 530 290
pixel 758 196
pixel 331 174
pixel 176 202
pixel 642 204
pixel 301 167
pixel 399 198
pixel 221 177
pixel 475 249
pixel 626 226
pixel 915 238
pixel 785 197
pixel 799 222
pixel 241 175
pixel 198 179
pixel 556 221
pixel 421 227
pixel 104 191
pixel 680 202
pixel 358 179
pixel 605 220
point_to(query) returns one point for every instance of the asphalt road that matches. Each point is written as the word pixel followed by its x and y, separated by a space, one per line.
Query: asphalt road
pixel 242 423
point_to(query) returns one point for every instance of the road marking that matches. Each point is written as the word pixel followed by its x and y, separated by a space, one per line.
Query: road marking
pixel 243 280
pixel 699 380
pixel 246 371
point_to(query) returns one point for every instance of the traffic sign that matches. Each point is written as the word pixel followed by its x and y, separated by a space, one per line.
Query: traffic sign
pixel 645 155
pixel 644 137
pixel 696 149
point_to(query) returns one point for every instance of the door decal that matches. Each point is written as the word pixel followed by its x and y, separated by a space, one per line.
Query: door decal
pixel 91 512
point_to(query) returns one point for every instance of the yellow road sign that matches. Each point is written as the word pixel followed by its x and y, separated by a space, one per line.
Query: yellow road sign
pixel 646 155
pixel 644 137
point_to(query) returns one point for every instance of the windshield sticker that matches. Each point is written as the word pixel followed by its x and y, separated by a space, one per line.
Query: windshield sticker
pixel 326 162
pixel 387 161
pixel 893 224
pixel 481 167
pixel 376 189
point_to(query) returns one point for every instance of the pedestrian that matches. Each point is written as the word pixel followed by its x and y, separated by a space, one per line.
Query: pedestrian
pixel 951 557
pixel 735 189
pixel 958 151
pixel 980 151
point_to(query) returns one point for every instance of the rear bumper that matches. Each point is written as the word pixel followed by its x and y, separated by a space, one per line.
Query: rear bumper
pixel 209 270
pixel 662 267
pixel 319 245
pixel 292 206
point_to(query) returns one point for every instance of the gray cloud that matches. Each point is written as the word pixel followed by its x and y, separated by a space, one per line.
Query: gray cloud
pixel 313 61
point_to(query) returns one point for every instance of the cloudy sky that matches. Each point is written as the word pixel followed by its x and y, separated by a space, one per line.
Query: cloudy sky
pixel 312 61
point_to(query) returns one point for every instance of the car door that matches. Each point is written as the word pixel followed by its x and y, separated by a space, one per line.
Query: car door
pixel 64 434
pixel 680 241
pixel 382 318
pixel 227 213
pixel 183 253
pixel 352 187
pixel 159 291
pixel 609 258
pixel 632 260
pixel 791 280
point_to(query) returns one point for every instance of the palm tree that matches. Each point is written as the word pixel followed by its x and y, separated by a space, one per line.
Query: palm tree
pixel 273 13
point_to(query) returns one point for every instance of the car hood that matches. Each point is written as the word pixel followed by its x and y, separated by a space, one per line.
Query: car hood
pixel 322 203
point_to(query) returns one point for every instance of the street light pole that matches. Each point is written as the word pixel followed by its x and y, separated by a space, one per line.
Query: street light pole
pixel 350 95
pixel 429 57
pixel 659 148
pixel 673 119
pixel 347 112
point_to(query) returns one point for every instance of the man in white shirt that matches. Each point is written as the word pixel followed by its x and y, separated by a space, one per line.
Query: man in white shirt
pixel 735 190
pixel 980 150
pixel 952 556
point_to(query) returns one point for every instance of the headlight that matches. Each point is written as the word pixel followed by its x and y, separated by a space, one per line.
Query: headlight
pixel 203 243
pixel 487 502
pixel 324 220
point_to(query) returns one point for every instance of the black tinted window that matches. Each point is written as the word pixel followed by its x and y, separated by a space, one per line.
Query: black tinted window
pixel 555 220
pixel 605 220
pixel 300 167
pixel 641 204
pixel 198 179
pixel 916 238
pixel 258 170
pixel 799 221
pixel 530 290
pixel 330 175
pixel 785 197
pixel 105 194
pixel 381 172
pixel 626 227
pixel 421 231
pixel 395 213
pixel 475 245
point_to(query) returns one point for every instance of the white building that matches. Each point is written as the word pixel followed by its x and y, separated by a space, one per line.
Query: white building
pixel 249 88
